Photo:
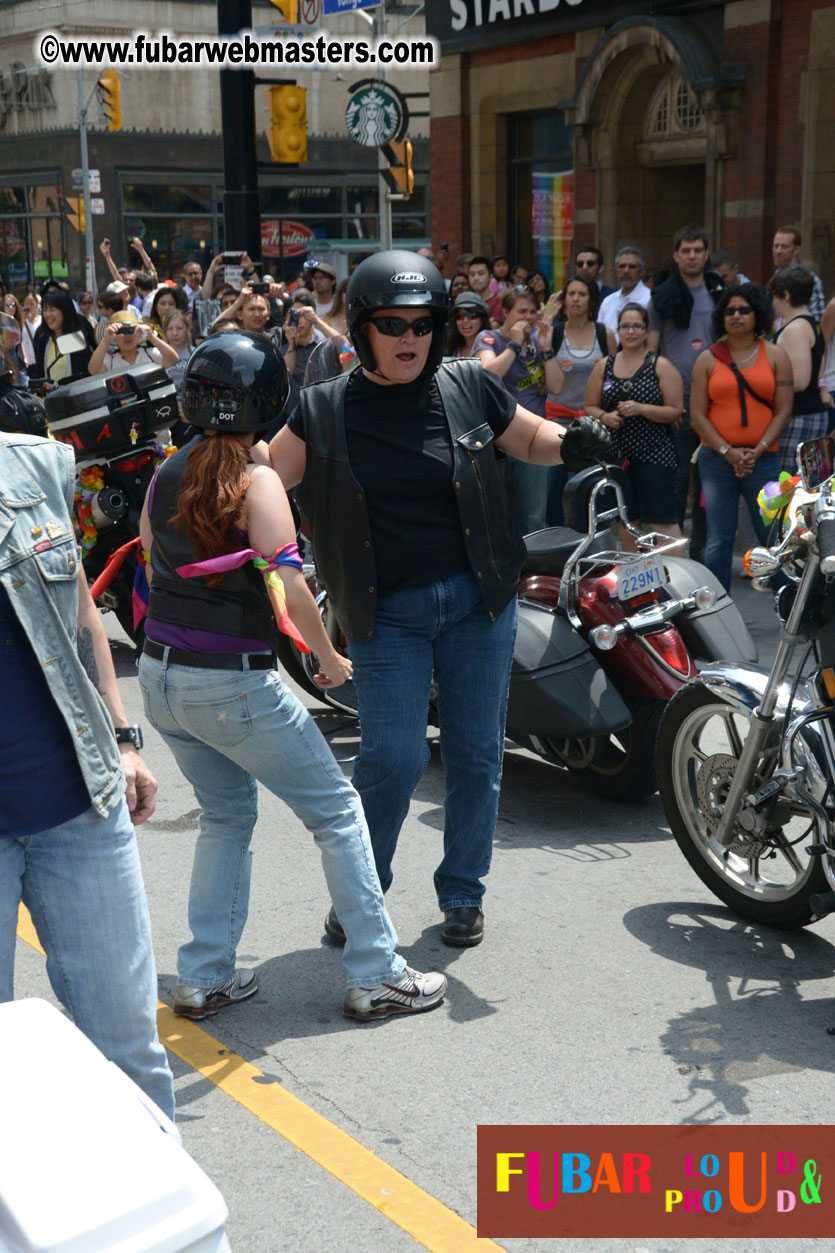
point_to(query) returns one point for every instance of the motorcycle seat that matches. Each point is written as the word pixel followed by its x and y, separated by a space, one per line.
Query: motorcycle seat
pixel 547 551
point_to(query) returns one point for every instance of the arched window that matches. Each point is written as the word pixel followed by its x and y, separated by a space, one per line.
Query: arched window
pixel 673 110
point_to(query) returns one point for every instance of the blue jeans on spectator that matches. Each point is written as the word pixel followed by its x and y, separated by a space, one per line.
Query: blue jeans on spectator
pixel 82 883
pixel 226 730
pixel 722 491
pixel 441 628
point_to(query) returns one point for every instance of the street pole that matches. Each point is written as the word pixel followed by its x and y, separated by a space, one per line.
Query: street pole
pixel 89 267
pixel 382 164
pixel 241 202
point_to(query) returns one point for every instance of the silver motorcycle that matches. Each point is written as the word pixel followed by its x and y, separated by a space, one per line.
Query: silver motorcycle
pixel 745 759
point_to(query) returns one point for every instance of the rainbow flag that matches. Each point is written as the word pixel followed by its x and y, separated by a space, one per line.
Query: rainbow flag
pixel 553 223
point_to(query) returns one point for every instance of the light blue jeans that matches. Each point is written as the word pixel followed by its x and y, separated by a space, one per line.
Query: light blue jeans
pixel 228 729
pixel 441 628
pixel 82 884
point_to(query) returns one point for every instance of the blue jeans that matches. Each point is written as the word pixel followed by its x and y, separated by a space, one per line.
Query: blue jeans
pixel 228 729
pixel 82 884
pixel 722 491
pixel 444 628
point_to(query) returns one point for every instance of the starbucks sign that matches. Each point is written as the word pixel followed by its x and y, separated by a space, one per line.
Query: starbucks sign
pixel 377 113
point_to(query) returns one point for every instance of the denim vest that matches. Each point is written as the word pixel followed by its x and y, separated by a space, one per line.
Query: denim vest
pixel 334 503
pixel 38 568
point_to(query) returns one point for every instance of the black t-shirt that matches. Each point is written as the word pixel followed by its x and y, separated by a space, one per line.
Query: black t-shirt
pixel 400 452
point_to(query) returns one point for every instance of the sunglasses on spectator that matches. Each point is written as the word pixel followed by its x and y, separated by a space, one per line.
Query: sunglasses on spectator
pixel 395 327
pixel 466 313
pixel 742 310
pixel 586 265
pixel 86 300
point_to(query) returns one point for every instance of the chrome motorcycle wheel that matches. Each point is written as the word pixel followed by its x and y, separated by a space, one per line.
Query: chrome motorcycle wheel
pixel 765 874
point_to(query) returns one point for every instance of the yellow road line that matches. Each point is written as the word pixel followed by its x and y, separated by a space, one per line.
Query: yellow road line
pixel 26 930
pixel 423 1217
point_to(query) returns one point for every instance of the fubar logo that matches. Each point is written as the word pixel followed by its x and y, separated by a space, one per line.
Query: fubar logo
pixel 686 1181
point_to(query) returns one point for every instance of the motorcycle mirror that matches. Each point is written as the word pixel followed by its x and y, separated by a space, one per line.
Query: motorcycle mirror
pixel 760 562
pixel 74 341
pixel 817 462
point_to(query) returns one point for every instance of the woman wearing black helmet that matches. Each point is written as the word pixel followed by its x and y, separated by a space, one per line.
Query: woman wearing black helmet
pixel 213 524
pixel 401 473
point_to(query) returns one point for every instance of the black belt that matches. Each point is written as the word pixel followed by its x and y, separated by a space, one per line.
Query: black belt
pixel 209 661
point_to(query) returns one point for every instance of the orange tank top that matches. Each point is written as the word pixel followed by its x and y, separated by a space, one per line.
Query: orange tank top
pixel 724 410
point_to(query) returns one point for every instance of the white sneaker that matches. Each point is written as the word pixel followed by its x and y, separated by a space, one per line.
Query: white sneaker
pixel 411 993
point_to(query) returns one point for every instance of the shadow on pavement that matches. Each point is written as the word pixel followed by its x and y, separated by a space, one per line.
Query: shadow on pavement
pixel 757 1023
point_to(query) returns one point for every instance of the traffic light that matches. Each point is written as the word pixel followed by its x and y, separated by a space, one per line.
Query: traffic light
pixel 289 9
pixel 110 98
pixel 288 133
pixel 75 212
pixel 400 176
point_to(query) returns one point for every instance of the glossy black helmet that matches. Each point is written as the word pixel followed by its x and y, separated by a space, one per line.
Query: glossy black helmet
pixel 235 381
pixel 391 280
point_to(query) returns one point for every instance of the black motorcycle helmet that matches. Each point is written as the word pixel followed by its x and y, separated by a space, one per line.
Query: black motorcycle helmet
pixel 390 280
pixel 235 381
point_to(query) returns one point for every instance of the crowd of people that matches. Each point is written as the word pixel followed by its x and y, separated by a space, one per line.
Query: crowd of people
pixel 400 467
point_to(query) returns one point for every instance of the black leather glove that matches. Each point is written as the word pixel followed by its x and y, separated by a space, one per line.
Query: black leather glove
pixel 585 440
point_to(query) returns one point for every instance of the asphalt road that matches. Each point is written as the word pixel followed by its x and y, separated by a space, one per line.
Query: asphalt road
pixel 611 988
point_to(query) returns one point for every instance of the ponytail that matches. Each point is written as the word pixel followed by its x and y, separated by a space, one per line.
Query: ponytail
pixel 212 495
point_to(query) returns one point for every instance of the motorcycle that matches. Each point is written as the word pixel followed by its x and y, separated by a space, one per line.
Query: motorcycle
pixel 115 423
pixel 605 637
pixel 746 760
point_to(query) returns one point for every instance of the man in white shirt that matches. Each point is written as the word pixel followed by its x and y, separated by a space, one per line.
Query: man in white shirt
pixel 323 278
pixel 629 267
pixel 192 282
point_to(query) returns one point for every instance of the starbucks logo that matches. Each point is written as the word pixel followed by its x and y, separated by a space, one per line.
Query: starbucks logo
pixel 375 114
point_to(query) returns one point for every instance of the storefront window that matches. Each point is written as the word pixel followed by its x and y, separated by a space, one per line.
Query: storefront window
pixel 32 234
pixel 298 219
pixel 541 198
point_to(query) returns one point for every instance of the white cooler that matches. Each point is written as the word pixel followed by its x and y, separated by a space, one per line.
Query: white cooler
pixel 87 1162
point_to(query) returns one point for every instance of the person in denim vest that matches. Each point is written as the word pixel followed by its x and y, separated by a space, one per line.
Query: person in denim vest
pixel 73 782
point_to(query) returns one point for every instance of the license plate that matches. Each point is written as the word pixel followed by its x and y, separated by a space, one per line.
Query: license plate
pixel 641 576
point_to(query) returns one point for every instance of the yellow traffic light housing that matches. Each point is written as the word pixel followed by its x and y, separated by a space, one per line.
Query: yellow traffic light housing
pixel 289 9
pixel 400 176
pixel 110 97
pixel 75 213
pixel 288 133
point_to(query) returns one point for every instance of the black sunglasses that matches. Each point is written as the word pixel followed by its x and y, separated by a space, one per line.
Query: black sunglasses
pixel 466 312
pixel 743 310
pixel 395 327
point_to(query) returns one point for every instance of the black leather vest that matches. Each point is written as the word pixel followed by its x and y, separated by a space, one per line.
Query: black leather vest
pixel 335 508
pixel 240 606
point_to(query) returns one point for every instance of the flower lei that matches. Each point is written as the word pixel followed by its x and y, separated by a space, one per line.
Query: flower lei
pixel 88 484
pixel 775 495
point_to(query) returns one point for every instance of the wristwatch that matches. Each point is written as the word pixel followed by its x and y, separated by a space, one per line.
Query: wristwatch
pixel 548 354
pixel 723 449
pixel 129 735
pixel 514 347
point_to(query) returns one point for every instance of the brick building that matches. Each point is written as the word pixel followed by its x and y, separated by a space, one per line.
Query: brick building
pixel 558 123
